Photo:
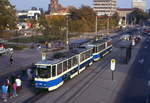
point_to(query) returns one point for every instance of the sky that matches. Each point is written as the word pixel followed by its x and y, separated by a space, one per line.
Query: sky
pixel 27 4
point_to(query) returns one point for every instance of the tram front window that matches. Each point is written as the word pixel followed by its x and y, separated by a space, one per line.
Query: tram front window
pixel 43 72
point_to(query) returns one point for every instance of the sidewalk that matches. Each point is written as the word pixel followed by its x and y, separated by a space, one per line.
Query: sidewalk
pixel 22 59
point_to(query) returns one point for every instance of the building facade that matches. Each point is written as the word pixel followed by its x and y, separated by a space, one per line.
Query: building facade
pixel 57 9
pixel 141 4
pixel 28 14
pixel 123 14
pixel 104 7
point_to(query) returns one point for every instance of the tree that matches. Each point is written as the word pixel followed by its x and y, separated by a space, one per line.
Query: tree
pixel 115 18
pixel 137 16
pixel 7 15
pixel 82 19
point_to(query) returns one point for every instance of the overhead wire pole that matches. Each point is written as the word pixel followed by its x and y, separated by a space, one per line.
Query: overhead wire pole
pixel 108 20
pixel 96 29
pixel 108 25
pixel 67 32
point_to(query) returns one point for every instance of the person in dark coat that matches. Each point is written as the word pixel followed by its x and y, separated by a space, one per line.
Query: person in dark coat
pixel 11 59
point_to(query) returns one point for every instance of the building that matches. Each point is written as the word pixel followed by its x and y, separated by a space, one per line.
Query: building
pixel 123 14
pixel 104 7
pixel 28 14
pixel 141 4
pixel 57 9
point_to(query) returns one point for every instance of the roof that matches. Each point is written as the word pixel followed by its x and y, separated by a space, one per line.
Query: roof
pixel 100 41
pixel 125 9
pixel 62 55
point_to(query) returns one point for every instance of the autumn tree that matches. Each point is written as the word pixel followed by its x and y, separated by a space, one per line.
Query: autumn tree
pixel 7 15
pixel 137 16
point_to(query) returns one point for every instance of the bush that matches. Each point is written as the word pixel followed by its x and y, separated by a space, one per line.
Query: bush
pixel 16 47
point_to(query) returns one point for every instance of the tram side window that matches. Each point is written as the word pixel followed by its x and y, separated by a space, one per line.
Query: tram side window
pixel 109 43
pixel 94 49
pixel 53 71
pixel 101 47
pixel 87 54
pixel 81 57
pixel 69 63
pixel 64 65
pixel 59 68
pixel 74 61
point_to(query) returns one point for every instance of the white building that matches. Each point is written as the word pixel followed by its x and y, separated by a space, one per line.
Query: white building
pixel 104 7
pixel 141 4
pixel 33 13
pixel 29 14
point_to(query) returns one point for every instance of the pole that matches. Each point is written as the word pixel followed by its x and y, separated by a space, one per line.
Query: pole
pixel 108 25
pixel 108 20
pixel 67 33
pixel 96 29
pixel 112 75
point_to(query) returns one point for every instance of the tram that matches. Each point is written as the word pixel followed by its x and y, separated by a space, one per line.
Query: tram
pixel 51 73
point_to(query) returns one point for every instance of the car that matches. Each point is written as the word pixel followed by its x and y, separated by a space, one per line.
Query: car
pixel 125 37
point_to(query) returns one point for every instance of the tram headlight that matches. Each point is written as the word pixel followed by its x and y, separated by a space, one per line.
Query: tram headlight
pixel 36 84
pixel 44 85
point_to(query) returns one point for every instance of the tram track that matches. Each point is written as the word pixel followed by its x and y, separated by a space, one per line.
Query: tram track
pixel 84 86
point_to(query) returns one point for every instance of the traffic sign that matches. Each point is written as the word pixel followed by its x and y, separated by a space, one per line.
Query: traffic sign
pixel 43 56
pixel 113 64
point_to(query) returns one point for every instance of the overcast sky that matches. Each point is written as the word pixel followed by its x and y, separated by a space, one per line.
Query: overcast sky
pixel 27 4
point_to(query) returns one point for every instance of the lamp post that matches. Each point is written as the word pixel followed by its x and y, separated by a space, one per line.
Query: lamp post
pixel 67 33
pixel 96 29
pixel 108 25
pixel 108 20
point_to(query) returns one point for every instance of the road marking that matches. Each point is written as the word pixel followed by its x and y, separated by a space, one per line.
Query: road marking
pixel 141 61
pixel 145 47
pixel 148 84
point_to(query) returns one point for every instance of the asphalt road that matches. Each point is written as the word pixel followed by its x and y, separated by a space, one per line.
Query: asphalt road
pixel 136 88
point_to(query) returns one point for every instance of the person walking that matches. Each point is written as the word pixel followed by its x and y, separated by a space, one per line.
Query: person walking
pixel 14 86
pixel 29 73
pixel 10 90
pixel 11 59
pixel 4 92
pixel 18 84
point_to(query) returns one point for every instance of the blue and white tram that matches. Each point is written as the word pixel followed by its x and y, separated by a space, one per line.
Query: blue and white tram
pixel 51 74
pixel 101 48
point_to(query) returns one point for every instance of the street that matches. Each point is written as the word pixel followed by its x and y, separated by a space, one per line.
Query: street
pixel 136 87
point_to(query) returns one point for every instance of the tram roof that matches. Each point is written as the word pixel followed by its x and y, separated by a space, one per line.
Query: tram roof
pixel 67 54
pixel 100 41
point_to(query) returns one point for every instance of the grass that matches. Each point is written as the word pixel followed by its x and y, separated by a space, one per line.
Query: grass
pixel 36 39
pixel 16 47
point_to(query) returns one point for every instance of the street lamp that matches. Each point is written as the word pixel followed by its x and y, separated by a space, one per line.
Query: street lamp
pixel 67 30
pixel 96 29
pixel 108 21
pixel 108 25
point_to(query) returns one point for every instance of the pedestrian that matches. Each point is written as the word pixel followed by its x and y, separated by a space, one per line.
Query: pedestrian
pixel 10 90
pixel 29 74
pixel 11 59
pixel 7 81
pixel 14 89
pixel 4 92
pixel 19 84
